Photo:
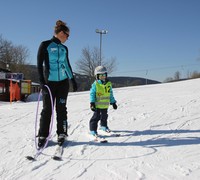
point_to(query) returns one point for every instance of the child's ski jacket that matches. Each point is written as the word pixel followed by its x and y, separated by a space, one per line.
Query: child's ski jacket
pixel 102 94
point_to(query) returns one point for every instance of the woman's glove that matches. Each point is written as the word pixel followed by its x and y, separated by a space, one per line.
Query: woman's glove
pixel 74 85
pixel 43 87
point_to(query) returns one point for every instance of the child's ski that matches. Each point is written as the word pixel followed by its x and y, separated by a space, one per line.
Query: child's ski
pixel 109 133
pixel 100 139
pixel 97 139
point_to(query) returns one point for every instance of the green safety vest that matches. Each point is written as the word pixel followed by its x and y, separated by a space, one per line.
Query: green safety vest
pixel 103 95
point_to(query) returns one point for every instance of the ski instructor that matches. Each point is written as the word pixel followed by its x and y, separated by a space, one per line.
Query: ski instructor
pixel 56 74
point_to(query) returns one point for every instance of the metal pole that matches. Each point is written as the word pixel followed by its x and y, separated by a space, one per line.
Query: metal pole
pixel 100 46
pixel 146 76
pixel 101 32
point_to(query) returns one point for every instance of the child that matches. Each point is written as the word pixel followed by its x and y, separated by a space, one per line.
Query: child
pixel 101 96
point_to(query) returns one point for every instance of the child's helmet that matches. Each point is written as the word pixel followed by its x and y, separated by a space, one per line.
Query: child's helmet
pixel 100 70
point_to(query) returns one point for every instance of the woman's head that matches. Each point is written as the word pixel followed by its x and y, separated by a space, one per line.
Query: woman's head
pixel 61 31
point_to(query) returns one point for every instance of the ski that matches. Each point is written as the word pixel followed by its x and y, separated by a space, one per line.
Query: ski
pixel 58 153
pixel 31 158
pixel 34 157
pixel 56 156
pixel 110 133
pixel 100 139
pixel 97 139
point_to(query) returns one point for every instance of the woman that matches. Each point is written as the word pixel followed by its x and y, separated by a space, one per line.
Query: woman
pixel 56 73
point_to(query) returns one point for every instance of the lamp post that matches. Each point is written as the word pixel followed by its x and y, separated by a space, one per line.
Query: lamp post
pixel 146 76
pixel 101 32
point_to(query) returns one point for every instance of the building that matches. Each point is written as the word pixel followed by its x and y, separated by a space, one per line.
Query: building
pixel 13 87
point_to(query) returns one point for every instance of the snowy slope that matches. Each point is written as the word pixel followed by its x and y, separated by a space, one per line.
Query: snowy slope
pixel 160 137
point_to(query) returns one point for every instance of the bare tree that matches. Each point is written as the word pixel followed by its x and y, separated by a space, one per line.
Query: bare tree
pixel 87 63
pixel 5 54
pixel 90 59
pixel 177 75
pixel 14 56
pixel 195 74
pixel 19 59
pixel 169 79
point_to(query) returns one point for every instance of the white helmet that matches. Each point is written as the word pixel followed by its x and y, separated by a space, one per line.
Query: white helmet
pixel 100 70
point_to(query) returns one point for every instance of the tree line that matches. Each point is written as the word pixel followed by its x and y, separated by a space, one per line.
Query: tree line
pixel 177 76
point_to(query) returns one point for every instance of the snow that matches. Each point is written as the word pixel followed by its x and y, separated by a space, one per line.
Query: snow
pixel 160 137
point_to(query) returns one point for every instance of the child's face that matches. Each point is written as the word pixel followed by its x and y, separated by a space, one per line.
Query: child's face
pixel 102 77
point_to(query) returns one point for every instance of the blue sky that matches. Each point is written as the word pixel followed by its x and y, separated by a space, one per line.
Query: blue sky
pixel 148 38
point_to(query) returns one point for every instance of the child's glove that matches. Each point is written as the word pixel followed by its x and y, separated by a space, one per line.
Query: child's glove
pixel 114 106
pixel 92 106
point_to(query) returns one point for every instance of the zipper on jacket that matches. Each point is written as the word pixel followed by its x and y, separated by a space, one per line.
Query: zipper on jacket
pixel 58 63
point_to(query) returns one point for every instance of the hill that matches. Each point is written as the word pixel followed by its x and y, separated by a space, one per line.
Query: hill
pixel 160 137
pixel 131 81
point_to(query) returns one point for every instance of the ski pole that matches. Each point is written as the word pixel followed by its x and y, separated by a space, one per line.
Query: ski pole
pixel 39 151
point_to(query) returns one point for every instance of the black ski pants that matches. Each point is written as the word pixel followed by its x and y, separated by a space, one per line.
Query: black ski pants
pixel 99 114
pixel 59 91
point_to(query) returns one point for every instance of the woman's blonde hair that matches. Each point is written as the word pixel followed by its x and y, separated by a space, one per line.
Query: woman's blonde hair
pixel 61 26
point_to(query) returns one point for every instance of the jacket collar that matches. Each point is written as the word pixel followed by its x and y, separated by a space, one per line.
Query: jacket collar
pixel 56 40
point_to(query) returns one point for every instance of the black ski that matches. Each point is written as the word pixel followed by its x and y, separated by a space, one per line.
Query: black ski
pixel 34 157
pixel 56 156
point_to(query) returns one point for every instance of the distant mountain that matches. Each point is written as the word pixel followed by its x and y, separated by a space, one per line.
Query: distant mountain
pixel 131 81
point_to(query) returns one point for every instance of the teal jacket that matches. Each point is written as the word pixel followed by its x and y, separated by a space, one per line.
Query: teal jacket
pixel 54 55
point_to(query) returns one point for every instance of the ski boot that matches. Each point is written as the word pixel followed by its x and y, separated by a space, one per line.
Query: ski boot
pixel 105 129
pixel 61 139
pixel 41 142
pixel 94 133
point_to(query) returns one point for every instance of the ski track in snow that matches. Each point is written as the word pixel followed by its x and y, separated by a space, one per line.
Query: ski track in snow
pixel 160 137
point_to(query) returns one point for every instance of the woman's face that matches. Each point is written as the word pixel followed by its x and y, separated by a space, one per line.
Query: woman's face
pixel 63 36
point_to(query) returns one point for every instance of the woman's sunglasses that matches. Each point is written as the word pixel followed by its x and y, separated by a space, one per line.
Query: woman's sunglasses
pixel 66 33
